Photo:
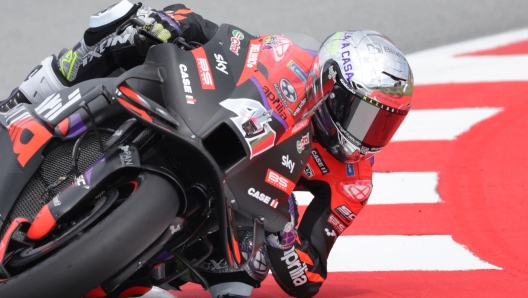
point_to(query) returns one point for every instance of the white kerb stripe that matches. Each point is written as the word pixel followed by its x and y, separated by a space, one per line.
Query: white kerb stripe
pixel 441 124
pixel 403 253
pixel 395 188
pixel 440 66
pixel 158 293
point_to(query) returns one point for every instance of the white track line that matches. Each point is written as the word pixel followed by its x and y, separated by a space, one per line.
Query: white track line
pixel 395 188
pixel 440 66
pixel 441 124
pixel 402 253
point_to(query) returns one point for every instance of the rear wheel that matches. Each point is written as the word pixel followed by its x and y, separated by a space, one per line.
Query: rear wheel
pixel 103 250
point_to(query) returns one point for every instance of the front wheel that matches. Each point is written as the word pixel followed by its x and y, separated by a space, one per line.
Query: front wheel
pixel 102 251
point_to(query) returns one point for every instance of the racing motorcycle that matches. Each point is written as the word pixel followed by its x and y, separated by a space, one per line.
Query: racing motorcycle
pixel 120 175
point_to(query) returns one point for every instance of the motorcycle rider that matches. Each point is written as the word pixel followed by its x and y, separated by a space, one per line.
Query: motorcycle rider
pixel 366 84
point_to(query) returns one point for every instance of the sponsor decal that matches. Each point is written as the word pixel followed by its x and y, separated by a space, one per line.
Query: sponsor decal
pixel 309 172
pixel 346 62
pixel 295 267
pixel 279 51
pixel 374 48
pixel 288 90
pixel 235 41
pixel 221 64
pixel 286 161
pixel 253 55
pixel 276 102
pixel 39 135
pixel 56 201
pixel 299 107
pixel 345 213
pixel 111 42
pixel 263 198
pixel 279 181
pixel 204 70
pixel 305 140
pixel 126 156
pixel 80 181
pixel 336 223
pixel 187 84
pixel 320 162
pixel 270 42
pixel 332 73
pixel 347 85
pixel 53 106
pixel 297 71
pixel 393 51
pixel 175 229
pixel 300 125
pixel 253 122
pixel 281 96
pixel 330 234
pixel 350 170
pixel 359 191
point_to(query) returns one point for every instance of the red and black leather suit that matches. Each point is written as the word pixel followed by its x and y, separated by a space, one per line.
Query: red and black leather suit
pixel 340 190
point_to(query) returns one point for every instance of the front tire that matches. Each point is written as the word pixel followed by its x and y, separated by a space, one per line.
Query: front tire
pixel 105 249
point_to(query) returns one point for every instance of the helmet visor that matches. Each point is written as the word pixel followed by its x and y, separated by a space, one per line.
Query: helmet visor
pixel 366 122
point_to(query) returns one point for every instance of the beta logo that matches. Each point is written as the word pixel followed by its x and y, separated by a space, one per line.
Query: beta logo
pixel 279 181
pixel 253 56
pixel 303 142
pixel 288 163
pixel 235 41
pixel 221 64
pixel 187 84
pixel 263 198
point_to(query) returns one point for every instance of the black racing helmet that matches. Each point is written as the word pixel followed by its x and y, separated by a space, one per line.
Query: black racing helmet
pixel 366 85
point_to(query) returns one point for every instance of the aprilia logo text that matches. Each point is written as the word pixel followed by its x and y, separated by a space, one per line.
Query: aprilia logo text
pixel 295 267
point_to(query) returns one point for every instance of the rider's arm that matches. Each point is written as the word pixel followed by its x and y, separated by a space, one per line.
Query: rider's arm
pixel 101 51
pixel 340 192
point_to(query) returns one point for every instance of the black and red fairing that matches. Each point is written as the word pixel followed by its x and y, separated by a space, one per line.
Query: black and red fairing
pixel 27 130
pixel 22 141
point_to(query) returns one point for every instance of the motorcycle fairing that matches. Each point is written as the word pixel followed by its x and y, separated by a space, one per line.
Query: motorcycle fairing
pixel 25 134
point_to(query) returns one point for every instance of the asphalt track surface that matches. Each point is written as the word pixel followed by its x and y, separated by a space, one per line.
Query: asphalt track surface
pixel 481 173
